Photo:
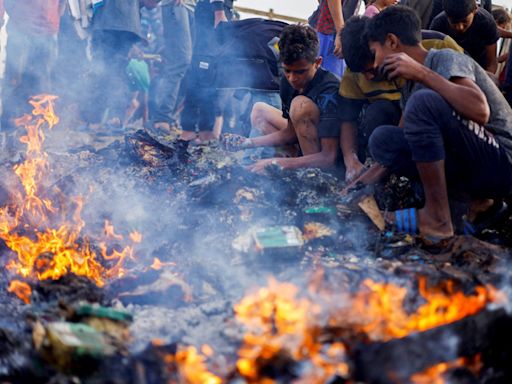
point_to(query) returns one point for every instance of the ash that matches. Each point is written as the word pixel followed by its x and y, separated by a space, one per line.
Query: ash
pixel 191 204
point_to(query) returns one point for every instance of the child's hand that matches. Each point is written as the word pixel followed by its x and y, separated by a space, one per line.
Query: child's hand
pixel 402 65
pixel 232 142
pixel 338 49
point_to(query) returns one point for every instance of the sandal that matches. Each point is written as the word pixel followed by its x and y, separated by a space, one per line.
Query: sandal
pixel 406 221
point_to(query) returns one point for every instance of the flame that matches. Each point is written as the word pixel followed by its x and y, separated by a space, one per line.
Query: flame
pixel 110 233
pixel 157 264
pixel 20 289
pixel 46 235
pixel 434 374
pixel 191 366
pixel 135 237
pixel 280 324
pixel 378 308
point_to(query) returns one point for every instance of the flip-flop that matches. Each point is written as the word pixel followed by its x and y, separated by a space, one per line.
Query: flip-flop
pixel 406 221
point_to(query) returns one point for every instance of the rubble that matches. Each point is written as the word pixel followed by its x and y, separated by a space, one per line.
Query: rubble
pixel 193 205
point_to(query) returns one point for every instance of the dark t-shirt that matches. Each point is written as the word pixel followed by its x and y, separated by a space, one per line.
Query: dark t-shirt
pixel 450 64
pixel 323 91
pixel 437 7
pixel 482 33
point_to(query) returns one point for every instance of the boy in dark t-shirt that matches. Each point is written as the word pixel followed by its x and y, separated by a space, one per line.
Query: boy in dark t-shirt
pixel 309 96
pixel 472 27
pixel 457 127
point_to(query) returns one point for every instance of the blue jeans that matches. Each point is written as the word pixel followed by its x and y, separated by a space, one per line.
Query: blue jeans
pixel 330 62
pixel 178 23
pixel 475 164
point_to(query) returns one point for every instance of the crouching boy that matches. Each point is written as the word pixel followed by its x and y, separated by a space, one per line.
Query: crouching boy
pixel 457 127
pixel 309 96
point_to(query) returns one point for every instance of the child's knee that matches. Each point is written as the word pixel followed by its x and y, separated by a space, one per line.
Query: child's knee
pixel 303 108
pixel 259 113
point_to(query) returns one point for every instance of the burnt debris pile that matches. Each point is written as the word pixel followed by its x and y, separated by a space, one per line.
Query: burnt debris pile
pixel 138 263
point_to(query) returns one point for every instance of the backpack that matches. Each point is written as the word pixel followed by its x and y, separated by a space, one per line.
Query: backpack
pixel 248 55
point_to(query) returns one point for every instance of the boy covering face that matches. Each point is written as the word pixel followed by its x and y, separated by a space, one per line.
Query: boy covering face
pixel 457 127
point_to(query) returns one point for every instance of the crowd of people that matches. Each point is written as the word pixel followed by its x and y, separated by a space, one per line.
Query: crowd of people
pixel 418 88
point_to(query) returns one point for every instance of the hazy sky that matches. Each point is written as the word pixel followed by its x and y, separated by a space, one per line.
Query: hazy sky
pixel 303 8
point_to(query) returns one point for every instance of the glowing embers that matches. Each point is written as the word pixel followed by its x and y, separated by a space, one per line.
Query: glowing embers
pixel 47 234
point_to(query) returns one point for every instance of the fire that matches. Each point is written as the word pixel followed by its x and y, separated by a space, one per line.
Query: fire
pixel 135 237
pixel 47 235
pixel 157 264
pixel 378 308
pixel 110 232
pixel 281 325
pixel 191 366
pixel 434 374
pixel 20 289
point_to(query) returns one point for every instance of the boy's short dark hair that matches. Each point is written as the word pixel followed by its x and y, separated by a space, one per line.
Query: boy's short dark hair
pixel 501 16
pixel 298 42
pixel 399 20
pixel 354 42
pixel 458 10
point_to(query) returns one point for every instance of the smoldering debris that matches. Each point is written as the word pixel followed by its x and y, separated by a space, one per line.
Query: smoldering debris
pixel 185 278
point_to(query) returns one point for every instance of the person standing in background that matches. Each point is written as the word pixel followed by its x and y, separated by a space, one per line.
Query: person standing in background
pixel 31 52
pixel 329 25
pixel 178 32
pixel 115 28
pixel 377 6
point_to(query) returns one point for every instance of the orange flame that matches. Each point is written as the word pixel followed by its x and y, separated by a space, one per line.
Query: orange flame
pixel 191 366
pixel 135 237
pixel 379 312
pixel 157 264
pixel 110 233
pixel 20 289
pixel 47 236
pixel 279 323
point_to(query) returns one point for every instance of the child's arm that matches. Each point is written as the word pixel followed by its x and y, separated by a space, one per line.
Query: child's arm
pixel 339 23
pixel 492 61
